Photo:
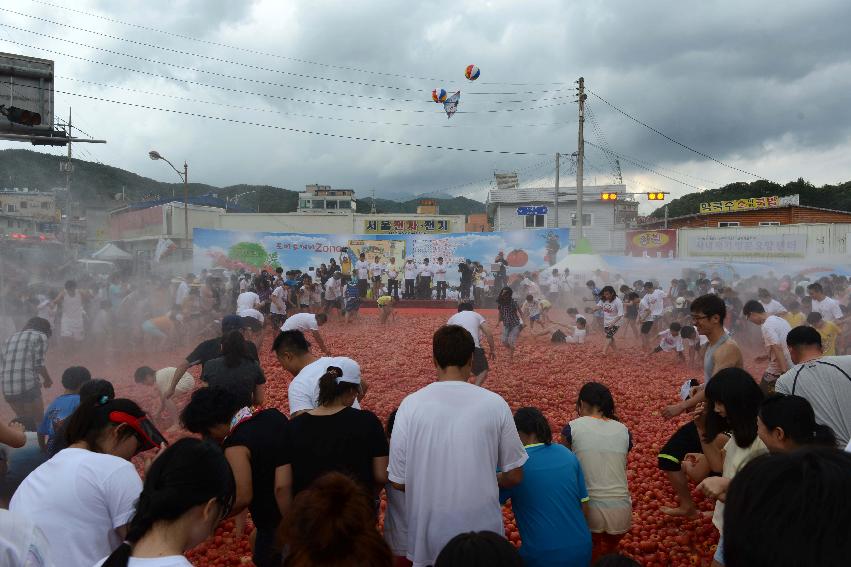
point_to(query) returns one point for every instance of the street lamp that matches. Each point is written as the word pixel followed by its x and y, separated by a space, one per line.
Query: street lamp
pixel 155 155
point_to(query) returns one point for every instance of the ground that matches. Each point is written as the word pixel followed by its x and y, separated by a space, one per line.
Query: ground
pixel 396 360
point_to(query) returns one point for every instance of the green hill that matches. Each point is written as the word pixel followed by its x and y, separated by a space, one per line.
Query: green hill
pixel 95 182
pixel 837 197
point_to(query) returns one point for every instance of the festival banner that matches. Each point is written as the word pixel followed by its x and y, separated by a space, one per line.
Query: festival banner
pixel 749 204
pixel 524 250
pixel 738 244
pixel 651 243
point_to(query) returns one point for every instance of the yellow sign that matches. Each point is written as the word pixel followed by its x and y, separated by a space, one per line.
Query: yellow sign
pixel 748 204
pixel 651 239
pixel 430 226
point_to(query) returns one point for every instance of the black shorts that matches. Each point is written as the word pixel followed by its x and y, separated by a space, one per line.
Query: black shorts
pixel 685 440
pixel 376 279
pixel 646 327
pixel 611 330
pixel 480 361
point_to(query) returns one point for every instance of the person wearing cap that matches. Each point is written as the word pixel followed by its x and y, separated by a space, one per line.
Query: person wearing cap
pixel 393 278
pixel 212 348
pixel 440 278
pixel 294 356
pixel 308 322
pixel 84 497
pixel 334 436
pixel 410 277
pixel 424 273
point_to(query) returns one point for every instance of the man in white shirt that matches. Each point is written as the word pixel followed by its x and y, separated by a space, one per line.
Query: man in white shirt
pixel 476 325
pixel 827 306
pixel 183 289
pixel 308 322
pixel 293 352
pixel 333 294
pixel 247 303
pixel 362 272
pixel 448 440
pixel 278 305
pixel 376 270
pixel 774 331
pixel 410 277
pixel 650 309
pixel 425 272
pixel 440 278
pixel 771 305
pixel 393 278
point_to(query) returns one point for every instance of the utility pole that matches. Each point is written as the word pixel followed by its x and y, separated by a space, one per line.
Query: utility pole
pixel 372 211
pixel 666 217
pixel 66 222
pixel 186 200
pixel 580 157
pixel 558 161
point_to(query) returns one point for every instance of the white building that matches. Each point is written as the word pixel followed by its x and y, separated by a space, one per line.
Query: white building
pixel 604 221
pixel 323 199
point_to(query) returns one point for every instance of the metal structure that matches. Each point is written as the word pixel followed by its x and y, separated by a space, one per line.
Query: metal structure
pixel 155 155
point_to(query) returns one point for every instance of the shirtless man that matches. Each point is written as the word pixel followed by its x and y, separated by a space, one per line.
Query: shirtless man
pixel 707 313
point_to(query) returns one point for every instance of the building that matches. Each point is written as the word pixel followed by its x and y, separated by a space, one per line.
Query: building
pixel 604 222
pixel 323 199
pixel 26 203
pixel 478 222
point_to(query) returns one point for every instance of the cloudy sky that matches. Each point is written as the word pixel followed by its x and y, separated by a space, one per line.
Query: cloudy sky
pixel 761 86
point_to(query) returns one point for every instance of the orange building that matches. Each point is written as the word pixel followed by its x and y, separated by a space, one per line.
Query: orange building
pixel 778 216
pixel 478 222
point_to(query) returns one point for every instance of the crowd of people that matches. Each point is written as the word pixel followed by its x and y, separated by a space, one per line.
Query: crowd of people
pixel 767 448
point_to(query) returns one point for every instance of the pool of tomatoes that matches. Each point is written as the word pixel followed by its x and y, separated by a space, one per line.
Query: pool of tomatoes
pixel 396 360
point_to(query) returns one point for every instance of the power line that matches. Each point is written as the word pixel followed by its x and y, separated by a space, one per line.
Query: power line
pixel 647 168
pixel 689 148
pixel 304 131
pixel 266 95
pixel 264 53
pixel 256 67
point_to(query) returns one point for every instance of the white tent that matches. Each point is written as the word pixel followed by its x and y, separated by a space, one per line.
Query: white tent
pixel 111 252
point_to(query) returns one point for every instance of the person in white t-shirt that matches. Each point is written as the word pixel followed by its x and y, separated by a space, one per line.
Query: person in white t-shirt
pixel 362 273
pixel 84 497
pixel 771 305
pixel 774 330
pixel 247 303
pixel 278 305
pixel 22 543
pixel 411 270
pixel 612 307
pixel 183 289
pixel 188 491
pixel 161 380
pixel 449 439
pixel 693 343
pixel 671 341
pixel 476 325
pixel 308 322
pixel 333 294
pixel 393 278
pixel 293 352
pixel 425 273
pixel 440 278
pixel 821 303
pixel 376 271
pixel 650 309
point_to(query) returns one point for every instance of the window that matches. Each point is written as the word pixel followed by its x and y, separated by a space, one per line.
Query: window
pixel 586 219
pixel 10 208
pixel 345 204
pixel 24 204
pixel 45 205
pixel 769 223
pixel 329 204
pixel 304 204
pixel 535 221
pixel 728 224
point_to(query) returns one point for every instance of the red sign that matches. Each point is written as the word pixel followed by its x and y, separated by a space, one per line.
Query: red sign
pixel 651 243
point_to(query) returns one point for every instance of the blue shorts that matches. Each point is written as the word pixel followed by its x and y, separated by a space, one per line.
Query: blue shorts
pixel 535 317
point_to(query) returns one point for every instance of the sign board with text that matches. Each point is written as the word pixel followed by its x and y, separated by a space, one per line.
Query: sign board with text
pixel 535 210
pixel 428 226
pixel 651 243
pixel 749 204
pixel 748 245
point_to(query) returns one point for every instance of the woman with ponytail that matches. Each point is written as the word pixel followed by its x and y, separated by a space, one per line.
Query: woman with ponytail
pixel 602 443
pixel 786 423
pixel 188 490
pixel 549 503
pixel 336 437
pixel 83 498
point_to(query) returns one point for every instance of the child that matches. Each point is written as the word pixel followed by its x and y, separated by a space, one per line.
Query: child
pixel 63 406
pixel 385 306
pixel 161 379
pixel 395 523
pixel 794 317
pixel 694 343
pixel 828 330
pixel 532 310
pixel 575 335
pixel 671 341
pixel 352 301
pixel 611 307
pixel 546 305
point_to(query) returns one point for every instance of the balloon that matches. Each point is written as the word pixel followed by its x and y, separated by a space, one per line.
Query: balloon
pixel 472 72
pixel 438 95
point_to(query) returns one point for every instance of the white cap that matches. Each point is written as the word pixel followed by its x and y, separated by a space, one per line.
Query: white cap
pixel 350 368
pixel 680 302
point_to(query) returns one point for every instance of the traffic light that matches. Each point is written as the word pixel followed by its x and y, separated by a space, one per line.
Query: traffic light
pixel 658 196
pixel 609 196
pixel 20 116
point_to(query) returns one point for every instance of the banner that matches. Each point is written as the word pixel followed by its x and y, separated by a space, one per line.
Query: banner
pixel 651 243
pixel 405 226
pixel 524 250
pixel 751 245
pixel 749 204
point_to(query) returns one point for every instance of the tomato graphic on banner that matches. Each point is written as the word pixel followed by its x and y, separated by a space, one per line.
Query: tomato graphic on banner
pixel 651 243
